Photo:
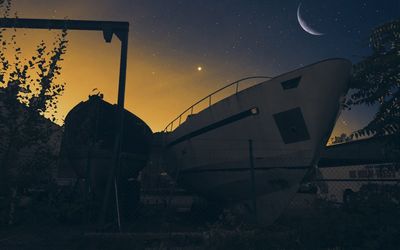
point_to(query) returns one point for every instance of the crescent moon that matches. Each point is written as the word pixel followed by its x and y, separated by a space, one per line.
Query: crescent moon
pixel 305 26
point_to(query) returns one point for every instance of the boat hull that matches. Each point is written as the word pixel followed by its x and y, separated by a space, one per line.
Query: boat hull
pixel 235 183
pixel 275 129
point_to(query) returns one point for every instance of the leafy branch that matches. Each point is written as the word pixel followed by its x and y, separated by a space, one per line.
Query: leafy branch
pixel 376 81
pixel 29 93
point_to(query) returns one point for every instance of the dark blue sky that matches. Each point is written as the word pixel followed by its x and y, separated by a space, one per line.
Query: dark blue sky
pixel 230 39
pixel 262 33
pixel 264 37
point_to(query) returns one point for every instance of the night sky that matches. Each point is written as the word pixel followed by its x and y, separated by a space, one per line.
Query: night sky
pixel 229 39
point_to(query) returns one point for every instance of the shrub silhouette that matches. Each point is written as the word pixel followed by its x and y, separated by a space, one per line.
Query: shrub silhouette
pixel 29 93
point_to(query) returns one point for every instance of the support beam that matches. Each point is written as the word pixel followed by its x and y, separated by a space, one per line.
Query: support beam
pixel 29 23
pixel 253 182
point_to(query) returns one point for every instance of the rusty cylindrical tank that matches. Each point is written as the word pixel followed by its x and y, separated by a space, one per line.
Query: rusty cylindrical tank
pixel 88 143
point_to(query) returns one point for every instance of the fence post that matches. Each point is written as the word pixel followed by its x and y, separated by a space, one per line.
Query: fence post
pixel 253 184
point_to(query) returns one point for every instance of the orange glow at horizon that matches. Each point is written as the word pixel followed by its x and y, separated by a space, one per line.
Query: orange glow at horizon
pixel 157 89
pixel 159 86
pixel 160 83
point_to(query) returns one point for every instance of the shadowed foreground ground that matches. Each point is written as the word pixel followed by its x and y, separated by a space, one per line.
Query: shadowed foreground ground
pixel 328 226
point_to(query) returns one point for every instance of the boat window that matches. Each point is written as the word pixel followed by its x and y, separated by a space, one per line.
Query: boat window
pixel 291 84
pixel 292 126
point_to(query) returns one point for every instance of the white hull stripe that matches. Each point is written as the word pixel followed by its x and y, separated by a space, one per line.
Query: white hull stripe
pixel 221 123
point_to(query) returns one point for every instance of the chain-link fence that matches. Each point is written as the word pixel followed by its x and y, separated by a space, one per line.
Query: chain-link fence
pixel 341 185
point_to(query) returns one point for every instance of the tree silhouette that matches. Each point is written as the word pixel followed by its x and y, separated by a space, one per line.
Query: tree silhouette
pixel 376 80
pixel 29 92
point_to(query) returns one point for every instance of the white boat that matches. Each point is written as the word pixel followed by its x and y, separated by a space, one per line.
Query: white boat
pixel 273 131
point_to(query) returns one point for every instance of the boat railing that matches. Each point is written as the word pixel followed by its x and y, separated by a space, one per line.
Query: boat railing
pixel 189 111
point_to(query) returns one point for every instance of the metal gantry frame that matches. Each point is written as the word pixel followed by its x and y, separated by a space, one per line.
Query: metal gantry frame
pixel 109 28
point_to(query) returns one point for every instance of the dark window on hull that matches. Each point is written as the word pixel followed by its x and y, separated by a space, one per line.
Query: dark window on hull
pixel 291 84
pixel 292 126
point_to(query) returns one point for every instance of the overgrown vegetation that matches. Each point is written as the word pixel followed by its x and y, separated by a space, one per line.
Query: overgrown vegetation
pixel 376 80
pixel 29 94
pixel 370 220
